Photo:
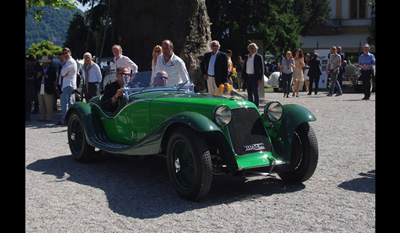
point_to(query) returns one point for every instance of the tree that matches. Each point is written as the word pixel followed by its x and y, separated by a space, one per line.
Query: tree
pixel 140 25
pixel 76 33
pixel 236 23
pixel 371 37
pixel 311 13
pixel 43 48
pixel 53 26
pixel 100 28
pixel 38 13
pixel 279 23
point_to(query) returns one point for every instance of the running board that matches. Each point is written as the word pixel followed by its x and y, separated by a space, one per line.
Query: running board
pixel 103 143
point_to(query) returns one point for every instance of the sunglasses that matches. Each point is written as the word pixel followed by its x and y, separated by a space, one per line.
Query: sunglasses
pixel 163 77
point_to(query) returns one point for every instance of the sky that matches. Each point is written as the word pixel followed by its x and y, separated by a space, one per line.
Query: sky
pixel 82 8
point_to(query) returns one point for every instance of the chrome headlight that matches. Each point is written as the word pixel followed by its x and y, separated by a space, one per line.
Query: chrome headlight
pixel 222 115
pixel 273 110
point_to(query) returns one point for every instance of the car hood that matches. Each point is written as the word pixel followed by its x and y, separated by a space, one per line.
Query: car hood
pixel 202 100
pixel 189 98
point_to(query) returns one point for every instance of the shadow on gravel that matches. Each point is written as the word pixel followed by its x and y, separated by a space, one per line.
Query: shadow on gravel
pixel 365 184
pixel 140 187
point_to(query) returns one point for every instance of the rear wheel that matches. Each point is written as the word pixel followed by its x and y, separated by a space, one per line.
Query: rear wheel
pixel 304 156
pixel 80 149
pixel 189 164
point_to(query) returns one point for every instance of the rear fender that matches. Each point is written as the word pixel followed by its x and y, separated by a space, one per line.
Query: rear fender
pixel 281 132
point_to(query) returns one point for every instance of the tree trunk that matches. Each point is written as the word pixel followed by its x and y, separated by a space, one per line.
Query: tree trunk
pixel 138 26
pixel 89 26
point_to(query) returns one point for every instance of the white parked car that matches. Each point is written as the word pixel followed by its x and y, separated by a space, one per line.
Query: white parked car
pixel 272 81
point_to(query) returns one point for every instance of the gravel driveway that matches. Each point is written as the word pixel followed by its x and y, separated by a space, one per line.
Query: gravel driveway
pixel 120 195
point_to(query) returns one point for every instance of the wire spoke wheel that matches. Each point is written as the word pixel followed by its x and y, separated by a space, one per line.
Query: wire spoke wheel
pixel 189 164
pixel 183 162
pixel 304 156
pixel 80 149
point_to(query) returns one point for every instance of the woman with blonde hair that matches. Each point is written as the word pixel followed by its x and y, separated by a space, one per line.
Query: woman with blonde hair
pixel 157 51
pixel 286 72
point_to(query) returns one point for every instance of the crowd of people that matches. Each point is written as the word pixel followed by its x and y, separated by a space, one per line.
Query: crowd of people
pixel 295 68
pixel 46 82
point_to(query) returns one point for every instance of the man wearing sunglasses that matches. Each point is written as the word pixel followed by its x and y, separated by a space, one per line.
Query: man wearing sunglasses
pixel 114 92
pixel 161 79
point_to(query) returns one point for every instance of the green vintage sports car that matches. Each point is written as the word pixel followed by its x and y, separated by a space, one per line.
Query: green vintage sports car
pixel 199 134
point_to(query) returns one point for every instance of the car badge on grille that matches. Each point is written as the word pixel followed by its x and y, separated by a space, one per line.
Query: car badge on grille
pixel 254 147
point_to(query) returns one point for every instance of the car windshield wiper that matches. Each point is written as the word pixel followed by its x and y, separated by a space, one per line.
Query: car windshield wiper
pixel 142 89
pixel 181 85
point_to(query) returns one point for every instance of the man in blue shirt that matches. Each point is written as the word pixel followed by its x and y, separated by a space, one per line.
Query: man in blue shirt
pixel 366 62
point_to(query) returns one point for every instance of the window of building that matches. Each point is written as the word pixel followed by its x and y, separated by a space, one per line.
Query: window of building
pixel 358 9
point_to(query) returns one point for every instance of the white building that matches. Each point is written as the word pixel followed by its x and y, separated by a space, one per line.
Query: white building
pixel 349 26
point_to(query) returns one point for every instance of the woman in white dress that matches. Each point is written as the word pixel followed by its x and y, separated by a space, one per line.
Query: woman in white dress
pixel 298 70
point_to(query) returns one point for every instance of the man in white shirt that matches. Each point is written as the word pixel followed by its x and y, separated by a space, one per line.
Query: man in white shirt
pixel 121 60
pixel 253 73
pixel 214 68
pixel 92 76
pixel 172 64
pixel 68 74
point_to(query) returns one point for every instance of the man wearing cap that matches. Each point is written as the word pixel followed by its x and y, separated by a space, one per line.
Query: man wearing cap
pixel 366 62
pixel 46 89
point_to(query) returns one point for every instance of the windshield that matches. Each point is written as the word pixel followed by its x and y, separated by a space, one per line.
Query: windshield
pixel 142 80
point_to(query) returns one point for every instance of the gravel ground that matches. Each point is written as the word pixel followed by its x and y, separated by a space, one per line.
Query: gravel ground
pixel 120 195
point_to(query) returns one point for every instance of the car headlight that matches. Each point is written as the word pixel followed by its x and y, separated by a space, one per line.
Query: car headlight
pixel 222 115
pixel 273 110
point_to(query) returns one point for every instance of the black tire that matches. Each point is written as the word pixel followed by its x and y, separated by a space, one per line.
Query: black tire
pixel 189 164
pixel 80 149
pixel 304 156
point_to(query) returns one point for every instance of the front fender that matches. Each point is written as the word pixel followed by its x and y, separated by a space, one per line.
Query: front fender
pixel 195 121
pixel 281 132
pixel 84 111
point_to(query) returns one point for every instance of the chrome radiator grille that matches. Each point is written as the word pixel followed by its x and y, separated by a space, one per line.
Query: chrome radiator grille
pixel 247 132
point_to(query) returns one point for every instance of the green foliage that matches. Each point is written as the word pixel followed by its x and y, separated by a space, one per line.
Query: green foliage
pixel 76 35
pixel 311 13
pixel 39 12
pixel 279 23
pixel 43 48
pixel 53 26
pixel 78 30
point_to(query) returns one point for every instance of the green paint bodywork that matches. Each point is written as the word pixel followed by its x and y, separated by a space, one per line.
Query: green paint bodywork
pixel 142 125
pixel 281 132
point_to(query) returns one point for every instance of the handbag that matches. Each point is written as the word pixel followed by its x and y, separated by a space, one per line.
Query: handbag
pixel 280 81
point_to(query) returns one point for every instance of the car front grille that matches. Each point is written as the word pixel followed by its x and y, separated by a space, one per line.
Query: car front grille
pixel 247 132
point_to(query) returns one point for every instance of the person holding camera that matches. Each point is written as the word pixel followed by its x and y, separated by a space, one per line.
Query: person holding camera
pixel 335 61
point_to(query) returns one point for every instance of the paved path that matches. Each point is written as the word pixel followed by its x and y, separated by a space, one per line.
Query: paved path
pixel 135 195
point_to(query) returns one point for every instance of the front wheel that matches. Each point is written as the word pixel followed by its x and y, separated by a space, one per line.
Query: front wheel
pixel 189 164
pixel 80 149
pixel 304 156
